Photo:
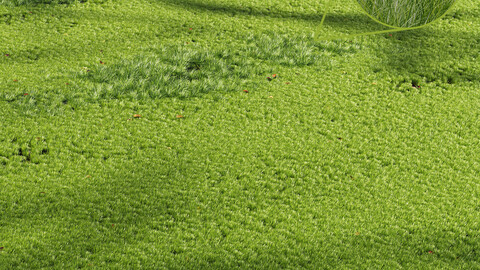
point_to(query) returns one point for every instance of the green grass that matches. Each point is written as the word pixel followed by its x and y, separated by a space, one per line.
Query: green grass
pixel 359 153
pixel 406 13
pixel 13 3
pixel 176 72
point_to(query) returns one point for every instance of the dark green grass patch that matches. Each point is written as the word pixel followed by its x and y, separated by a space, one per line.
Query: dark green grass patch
pixel 284 50
pixel 188 71
pixel 181 72
pixel 295 50
pixel 23 149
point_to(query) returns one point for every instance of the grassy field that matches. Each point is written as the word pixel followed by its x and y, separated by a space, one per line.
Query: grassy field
pixel 233 134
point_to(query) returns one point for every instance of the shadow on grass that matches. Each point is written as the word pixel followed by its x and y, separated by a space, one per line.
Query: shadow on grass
pixel 350 21
pixel 426 55
pixel 422 55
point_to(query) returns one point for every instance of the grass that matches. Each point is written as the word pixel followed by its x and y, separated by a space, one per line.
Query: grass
pixel 406 13
pixel 177 72
pixel 189 71
pixel 13 3
pixel 153 135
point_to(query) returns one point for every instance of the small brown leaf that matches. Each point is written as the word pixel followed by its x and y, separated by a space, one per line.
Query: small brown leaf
pixel 288 83
pixel 246 91
pixel 179 116
pixel 137 116
pixel 88 176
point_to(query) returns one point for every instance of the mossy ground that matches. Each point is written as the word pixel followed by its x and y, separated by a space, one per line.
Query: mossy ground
pixel 358 153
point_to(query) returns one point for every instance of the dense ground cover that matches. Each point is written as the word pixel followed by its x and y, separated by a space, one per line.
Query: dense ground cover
pixel 146 134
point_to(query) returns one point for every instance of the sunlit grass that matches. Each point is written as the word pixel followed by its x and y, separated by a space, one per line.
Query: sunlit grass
pixel 153 134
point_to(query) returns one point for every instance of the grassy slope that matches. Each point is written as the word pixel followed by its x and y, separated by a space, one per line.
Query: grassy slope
pixel 346 166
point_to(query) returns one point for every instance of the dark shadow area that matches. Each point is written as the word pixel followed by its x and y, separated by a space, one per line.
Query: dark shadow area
pixel 419 55
pixel 438 55
pixel 426 55
pixel 350 21
pixel 407 14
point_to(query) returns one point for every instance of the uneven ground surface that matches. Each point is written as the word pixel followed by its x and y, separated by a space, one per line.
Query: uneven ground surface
pixel 146 134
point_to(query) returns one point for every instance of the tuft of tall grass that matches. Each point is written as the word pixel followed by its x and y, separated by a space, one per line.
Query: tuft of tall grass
pixel 283 50
pixel 406 13
pixel 189 71
pixel 173 72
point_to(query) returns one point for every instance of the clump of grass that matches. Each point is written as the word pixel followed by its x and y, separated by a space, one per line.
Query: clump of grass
pixel 406 13
pixel 173 72
pixel 295 50
pixel 31 149
pixel 190 71
pixel 283 50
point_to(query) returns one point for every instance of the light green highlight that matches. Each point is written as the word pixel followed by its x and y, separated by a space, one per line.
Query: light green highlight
pixel 327 9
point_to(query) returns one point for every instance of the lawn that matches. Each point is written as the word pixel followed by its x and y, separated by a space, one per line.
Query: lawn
pixel 235 134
